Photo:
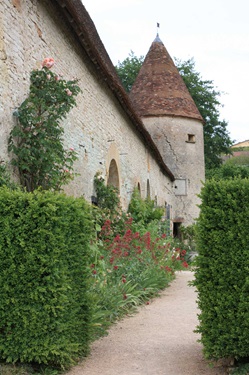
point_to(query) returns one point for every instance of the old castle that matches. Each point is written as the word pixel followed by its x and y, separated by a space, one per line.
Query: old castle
pixel 152 140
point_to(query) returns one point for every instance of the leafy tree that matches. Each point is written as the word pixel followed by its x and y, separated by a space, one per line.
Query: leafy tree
pixel 216 137
pixel 206 98
pixel 128 70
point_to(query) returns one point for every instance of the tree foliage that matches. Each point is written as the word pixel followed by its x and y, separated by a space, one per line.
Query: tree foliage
pixel 128 70
pixel 206 97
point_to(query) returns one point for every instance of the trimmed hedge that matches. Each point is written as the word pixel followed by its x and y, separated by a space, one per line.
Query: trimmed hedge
pixel 44 309
pixel 222 273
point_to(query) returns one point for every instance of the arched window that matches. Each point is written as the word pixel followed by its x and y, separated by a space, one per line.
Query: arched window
pixel 113 177
pixel 148 188
pixel 139 188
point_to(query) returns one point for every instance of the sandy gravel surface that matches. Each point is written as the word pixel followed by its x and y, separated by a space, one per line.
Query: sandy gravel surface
pixel 158 340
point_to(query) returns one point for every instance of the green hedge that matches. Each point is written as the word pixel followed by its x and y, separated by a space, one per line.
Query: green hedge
pixel 222 273
pixel 44 311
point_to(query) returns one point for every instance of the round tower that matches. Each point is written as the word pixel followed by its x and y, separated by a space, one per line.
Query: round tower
pixel 169 113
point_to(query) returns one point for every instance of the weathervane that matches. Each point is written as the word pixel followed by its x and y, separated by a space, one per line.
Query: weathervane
pixel 158 26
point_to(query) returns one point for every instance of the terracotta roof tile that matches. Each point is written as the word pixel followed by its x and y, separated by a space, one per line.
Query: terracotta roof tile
pixel 159 88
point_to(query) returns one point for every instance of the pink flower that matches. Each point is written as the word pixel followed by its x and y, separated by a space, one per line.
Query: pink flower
pixel 48 62
pixel 71 149
pixel 48 76
pixel 68 92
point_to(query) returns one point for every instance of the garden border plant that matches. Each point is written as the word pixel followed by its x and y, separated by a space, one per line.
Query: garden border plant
pixel 131 260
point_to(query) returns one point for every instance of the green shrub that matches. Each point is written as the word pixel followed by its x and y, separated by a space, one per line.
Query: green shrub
pixel 144 210
pixel 221 276
pixel 5 179
pixel 107 195
pixel 44 311
pixel 36 142
pixel 229 171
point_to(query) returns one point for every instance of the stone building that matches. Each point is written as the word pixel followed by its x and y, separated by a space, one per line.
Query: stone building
pixel 169 113
pixel 160 151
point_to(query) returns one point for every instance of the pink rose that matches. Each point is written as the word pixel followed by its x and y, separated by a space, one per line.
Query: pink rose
pixel 48 62
pixel 69 93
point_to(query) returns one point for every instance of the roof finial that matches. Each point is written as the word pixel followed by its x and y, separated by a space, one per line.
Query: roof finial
pixel 157 39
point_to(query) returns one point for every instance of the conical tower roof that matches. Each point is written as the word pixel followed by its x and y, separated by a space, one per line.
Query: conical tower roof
pixel 159 88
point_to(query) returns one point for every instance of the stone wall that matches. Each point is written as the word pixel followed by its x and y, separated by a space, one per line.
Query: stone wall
pixel 98 128
pixel 180 141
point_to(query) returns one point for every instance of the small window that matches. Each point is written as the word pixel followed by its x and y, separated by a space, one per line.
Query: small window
pixel 191 138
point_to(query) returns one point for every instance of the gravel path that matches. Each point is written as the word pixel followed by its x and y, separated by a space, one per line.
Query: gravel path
pixel 158 340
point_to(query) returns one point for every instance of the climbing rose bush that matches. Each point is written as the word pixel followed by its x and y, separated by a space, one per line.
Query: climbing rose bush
pixel 36 141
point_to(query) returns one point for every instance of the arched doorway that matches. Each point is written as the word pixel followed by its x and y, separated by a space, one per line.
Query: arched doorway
pixel 113 176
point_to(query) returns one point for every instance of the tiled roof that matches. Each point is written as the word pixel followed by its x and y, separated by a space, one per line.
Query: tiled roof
pixel 80 21
pixel 159 88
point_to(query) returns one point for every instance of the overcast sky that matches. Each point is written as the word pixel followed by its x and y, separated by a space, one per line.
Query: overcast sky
pixel 214 32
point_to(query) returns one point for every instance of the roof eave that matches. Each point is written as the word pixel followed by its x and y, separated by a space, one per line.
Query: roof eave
pixel 74 11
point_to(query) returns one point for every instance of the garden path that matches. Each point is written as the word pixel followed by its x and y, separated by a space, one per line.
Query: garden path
pixel 158 340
